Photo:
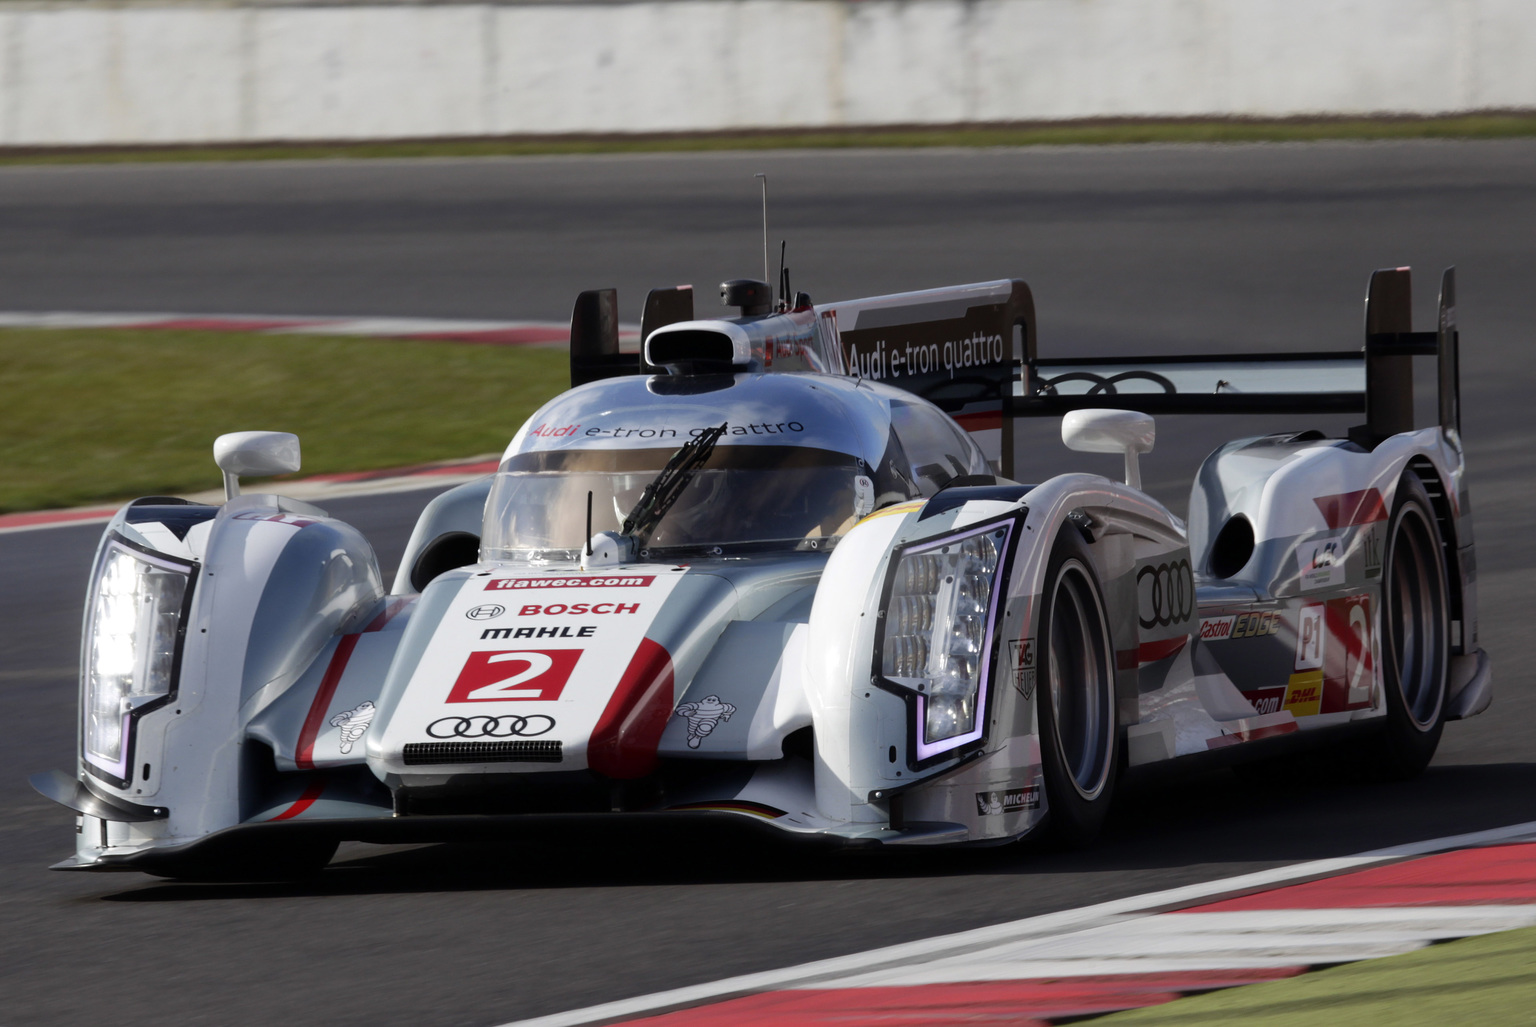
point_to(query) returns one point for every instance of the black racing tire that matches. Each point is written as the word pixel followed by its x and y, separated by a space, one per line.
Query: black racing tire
pixel 1416 635
pixel 1076 696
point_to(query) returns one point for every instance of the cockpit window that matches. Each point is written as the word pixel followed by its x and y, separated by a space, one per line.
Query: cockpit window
pixel 743 497
pixel 937 448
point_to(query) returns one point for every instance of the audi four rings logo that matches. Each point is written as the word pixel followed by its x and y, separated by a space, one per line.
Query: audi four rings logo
pixel 506 726
pixel 486 612
pixel 1171 596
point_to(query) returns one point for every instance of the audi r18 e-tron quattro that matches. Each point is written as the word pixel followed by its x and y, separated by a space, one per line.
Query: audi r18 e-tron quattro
pixel 776 566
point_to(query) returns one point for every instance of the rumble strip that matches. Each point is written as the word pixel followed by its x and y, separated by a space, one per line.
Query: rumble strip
pixel 1137 951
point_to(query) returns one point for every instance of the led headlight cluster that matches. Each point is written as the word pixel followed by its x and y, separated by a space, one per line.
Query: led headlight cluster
pixel 937 637
pixel 132 645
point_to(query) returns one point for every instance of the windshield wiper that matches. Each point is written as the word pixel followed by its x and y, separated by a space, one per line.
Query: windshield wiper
pixel 667 487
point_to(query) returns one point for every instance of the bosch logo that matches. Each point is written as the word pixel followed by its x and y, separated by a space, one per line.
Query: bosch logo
pixel 486 612
pixel 505 726
pixel 1166 593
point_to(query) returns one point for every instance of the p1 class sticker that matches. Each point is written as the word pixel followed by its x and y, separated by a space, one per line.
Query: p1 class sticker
pixel 863 495
pixel 1310 639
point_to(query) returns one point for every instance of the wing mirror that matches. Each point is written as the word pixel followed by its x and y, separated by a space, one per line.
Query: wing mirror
pixel 1111 431
pixel 254 452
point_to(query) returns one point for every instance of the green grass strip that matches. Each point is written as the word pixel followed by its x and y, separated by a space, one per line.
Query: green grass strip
pixel 1487 980
pixel 1095 132
pixel 95 415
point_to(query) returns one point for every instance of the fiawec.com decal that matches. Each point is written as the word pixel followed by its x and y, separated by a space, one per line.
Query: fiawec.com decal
pixel 1011 800
pixel 536 675
pixel 628 581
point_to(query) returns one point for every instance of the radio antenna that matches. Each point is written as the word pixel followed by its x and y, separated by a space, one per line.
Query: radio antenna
pixel 764 176
pixel 783 276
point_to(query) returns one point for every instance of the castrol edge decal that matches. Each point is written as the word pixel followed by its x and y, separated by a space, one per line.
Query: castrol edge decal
pixel 525 655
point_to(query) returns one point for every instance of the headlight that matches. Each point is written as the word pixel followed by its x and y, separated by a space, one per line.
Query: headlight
pixel 936 645
pixel 132 649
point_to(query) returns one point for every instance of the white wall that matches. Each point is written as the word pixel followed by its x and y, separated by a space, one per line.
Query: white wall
pixel 82 73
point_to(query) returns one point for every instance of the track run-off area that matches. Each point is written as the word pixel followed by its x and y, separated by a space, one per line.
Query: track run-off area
pixel 1151 250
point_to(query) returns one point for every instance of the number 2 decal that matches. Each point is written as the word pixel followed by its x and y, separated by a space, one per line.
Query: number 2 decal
pixel 510 675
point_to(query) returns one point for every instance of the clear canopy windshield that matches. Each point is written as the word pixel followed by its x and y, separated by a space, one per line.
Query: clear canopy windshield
pixel 744 496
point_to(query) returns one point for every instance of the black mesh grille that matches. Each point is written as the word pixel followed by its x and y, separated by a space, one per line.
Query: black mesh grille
pixel 420 753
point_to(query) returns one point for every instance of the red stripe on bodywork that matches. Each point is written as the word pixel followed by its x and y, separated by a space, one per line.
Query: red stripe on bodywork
pixel 387 614
pixel 1026 1002
pixel 304 752
pixel 304 801
pixel 1498 875
pixel 1251 734
pixel 624 742
pixel 1151 652
pixel 1348 508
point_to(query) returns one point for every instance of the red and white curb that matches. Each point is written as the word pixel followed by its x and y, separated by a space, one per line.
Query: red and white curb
pixel 1133 952
pixel 495 333
pixel 319 487
pixel 324 486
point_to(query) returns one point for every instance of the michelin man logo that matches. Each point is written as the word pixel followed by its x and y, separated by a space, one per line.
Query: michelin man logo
pixel 704 716
pixel 353 723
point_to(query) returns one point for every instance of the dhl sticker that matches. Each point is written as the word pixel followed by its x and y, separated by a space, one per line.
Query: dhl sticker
pixel 1304 693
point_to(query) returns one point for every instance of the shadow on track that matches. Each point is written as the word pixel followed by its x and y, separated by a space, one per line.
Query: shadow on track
pixel 1284 813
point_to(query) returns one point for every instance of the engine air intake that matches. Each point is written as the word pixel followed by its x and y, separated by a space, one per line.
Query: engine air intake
pixel 427 753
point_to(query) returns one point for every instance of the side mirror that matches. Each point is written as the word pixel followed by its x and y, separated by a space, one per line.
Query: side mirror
pixel 1111 431
pixel 254 452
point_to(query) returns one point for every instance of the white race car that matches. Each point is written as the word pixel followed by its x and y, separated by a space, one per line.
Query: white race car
pixel 757 571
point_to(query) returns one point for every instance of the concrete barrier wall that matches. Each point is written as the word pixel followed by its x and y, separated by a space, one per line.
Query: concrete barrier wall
pixel 83 73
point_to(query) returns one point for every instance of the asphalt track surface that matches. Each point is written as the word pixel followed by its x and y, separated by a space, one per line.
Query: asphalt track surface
pixel 1128 250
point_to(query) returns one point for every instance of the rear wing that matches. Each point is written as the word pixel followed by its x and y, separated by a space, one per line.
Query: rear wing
pixel 971 350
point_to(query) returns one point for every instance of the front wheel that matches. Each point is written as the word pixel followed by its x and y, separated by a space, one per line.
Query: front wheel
pixel 1415 619
pixel 1077 697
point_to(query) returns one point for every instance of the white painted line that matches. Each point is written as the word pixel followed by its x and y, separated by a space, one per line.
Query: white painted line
pixel 93 517
pixel 300 324
pixel 1192 942
pixel 1103 914
pixel 313 490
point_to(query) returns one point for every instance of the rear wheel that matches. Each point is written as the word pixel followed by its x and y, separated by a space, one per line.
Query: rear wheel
pixel 1077 697
pixel 1415 618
